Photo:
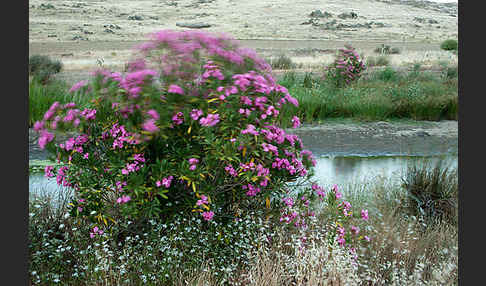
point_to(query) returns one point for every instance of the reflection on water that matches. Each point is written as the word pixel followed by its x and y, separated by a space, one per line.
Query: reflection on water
pixel 39 185
pixel 342 170
pixel 328 171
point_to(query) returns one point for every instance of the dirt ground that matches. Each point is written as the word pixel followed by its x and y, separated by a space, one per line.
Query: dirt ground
pixel 416 138
pixel 88 33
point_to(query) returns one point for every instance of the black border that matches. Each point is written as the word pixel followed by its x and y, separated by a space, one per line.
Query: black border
pixel 15 187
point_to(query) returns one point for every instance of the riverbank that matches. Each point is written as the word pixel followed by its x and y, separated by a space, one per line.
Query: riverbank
pixel 351 138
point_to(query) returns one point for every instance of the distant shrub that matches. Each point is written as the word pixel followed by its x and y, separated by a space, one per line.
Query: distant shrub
pixel 282 62
pixel 347 67
pixel 449 45
pixel 387 50
pixel 448 72
pixel 43 67
pixel 377 61
pixel 432 191
pixel 387 74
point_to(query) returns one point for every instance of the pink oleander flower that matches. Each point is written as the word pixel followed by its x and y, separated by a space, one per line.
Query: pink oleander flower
pixel 193 161
pixel 341 241
pixel 45 138
pixel 154 114
pixel 78 85
pixel 38 125
pixel 89 114
pixel 175 89
pixel 364 214
pixel 196 113
pixel 203 200
pixel 295 122
pixel 178 118
pixel 354 229
pixel 48 172
pixel 192 167
pixel 338 194
pixel 210 120
pixel 367 238
pixel 288 201
pixel 123 199
pixel 208 215
pixel 167 181
pixel 149 126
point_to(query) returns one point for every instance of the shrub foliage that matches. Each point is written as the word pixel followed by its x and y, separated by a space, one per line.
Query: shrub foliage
pixel 346 68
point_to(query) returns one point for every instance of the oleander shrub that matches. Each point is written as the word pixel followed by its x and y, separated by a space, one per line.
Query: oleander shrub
pixel 346 68
pixel 42 67
pixel 192 127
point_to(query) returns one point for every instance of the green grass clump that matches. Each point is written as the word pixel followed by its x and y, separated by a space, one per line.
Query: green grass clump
pixel 449 45
pixel 432 191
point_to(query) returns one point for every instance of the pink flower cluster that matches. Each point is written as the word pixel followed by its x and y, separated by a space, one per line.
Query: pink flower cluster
pixel 135 166
pixel 77 86
pixel 210 120
pixel 193 163
pixel 165 182
pixel 207 215
pixel 252 190
pixel 51 121
pixel 123 199
pixel 196 113
pixel 95 231
pixel 121 136
pixel 202 201
pixel 133 81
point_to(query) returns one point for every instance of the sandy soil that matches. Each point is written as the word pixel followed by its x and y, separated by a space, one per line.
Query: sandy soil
pixel 416 138
pixel 250 19
pixel 87 33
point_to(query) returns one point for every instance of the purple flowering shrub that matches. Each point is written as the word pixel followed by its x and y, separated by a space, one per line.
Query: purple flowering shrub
pixel 346 68
pixel 191 127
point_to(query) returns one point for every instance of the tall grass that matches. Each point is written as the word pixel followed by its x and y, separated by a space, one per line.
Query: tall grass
pixel 383 94
pixel 432 191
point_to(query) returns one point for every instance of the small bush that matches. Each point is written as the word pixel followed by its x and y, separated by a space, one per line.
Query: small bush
pixel 449 45
pixel 378 61
pixel 346 68
pixel 282 62
pixel 387 74
pixel 43 67
pixel 432 191
pixel 387 50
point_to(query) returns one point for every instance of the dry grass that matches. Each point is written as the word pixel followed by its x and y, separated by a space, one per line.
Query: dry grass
pixel 403 251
